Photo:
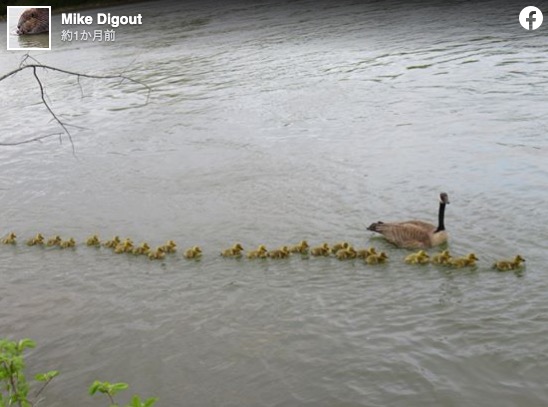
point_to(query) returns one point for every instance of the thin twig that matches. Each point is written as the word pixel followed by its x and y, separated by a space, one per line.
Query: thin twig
pixel 24 65
pixel 52 112
pixel 42 388
pixel 32 140
pixel 80 75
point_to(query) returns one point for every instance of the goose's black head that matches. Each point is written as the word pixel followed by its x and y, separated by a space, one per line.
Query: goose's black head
pixel 444 198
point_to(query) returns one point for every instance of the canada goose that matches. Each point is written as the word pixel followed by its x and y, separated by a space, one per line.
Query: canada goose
pixel 364 253
pixel 259 253
pixel 170 246
pixel 376 258
pixel 322 250
pixel 338 246
pixel 193 253
pixel 505 265
pixel 301 248
pixel 281 253
pixel 421 257
pixel 415 234
pixel 346 253
pixel 36 240
pixel 443 257
pixel 93 241
pixel 65 244
pixel 234 251
pixel 11 238
pixel 54 241
pixel 466 261
pixel 143 248
pixel 156 254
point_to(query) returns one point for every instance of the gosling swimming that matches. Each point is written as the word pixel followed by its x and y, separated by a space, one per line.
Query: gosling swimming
pixel 466 261
pixel 234 251
pixel 194 252
pixel 65 244
pixel 156 254
pixel 124 247
pixel 54 241
pixel 143 248
pixel 506 265
pixel 11 238
pixel 364 253
pixel 421 257
pixel 322 250
pixel 346 253
pixel 281 253
pixel 301 248
pixel 260 253
pixel 338 246
pixel 112 243
pixel 376 258
pixel 36 240
pixel 93 241
pixel 443 257
pixel 170 247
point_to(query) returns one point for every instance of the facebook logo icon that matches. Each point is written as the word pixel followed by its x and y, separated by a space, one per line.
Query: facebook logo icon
pixel 530 18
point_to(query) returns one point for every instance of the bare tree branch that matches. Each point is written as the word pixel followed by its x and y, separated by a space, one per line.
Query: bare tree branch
pixel 35 65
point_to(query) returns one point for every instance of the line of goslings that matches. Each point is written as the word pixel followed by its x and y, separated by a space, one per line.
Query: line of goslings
pixel 341 250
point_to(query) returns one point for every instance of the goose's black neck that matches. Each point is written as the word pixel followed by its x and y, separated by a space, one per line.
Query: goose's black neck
pixel 441 215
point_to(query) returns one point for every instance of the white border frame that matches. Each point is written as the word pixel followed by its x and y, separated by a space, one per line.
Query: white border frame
pixel 8 30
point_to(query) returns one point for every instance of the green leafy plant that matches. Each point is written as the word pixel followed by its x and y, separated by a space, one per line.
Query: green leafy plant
pixel 14 388
pixel 110 389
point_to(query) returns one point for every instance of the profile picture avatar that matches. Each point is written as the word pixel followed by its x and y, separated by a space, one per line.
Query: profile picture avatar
pixel 530 18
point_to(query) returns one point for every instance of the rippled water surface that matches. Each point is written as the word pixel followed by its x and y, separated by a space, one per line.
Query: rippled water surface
pixel 271 124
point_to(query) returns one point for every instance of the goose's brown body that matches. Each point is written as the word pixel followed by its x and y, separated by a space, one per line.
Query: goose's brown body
pixel 415 234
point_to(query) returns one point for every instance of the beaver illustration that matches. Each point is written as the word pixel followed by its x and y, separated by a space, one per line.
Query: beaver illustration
pixel 33 21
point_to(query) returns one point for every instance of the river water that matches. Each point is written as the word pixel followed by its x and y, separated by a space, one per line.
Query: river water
pixel 268 124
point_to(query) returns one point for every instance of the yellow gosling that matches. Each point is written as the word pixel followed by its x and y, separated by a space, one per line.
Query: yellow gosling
pixel 54 241
pixel 420 257
pixel 124 247
pixel 93 241
pixel 346 253
pixel 338 246
pixel 301 248
pixel 466 261
pixel 281 253
pixel 376 258
pixel 143 248
pixel 112 243
pixel 127 242
pixel 259 253
pixel 322 250
pixel 156 254
pixel 364 253
pixel 193 253
pixel 506 265
pixel 11 238
pixel 170 247
pixel 234 251
pixel 120 248
pixel 65 244
pixel 443 257
pixel 36 240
